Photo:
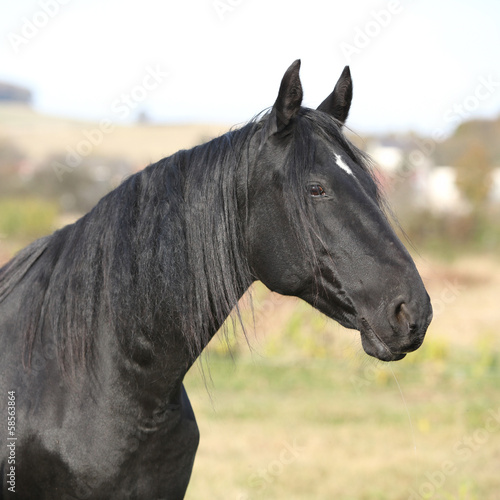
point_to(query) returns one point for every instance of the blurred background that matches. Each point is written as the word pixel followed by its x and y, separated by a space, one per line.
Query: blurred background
pixel 91 92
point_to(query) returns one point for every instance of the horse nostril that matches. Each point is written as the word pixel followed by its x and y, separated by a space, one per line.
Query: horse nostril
pixel 404 317
pixel 413 327
pixel 402 313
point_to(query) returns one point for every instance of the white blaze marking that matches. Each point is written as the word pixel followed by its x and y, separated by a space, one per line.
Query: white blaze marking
pixel 342 165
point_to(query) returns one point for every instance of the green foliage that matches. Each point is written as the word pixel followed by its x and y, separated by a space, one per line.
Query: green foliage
pixel 488 357
pixel 26 218
pixel 307 337
pixel 465 491
pixel 437 349
pixel 449 236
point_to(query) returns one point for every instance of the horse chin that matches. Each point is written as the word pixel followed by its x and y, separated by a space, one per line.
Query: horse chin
pixel 374 346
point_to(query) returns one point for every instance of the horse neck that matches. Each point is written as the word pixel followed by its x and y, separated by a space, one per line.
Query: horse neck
pixel 183 256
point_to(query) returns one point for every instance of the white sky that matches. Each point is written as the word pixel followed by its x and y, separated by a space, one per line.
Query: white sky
pixel 226 65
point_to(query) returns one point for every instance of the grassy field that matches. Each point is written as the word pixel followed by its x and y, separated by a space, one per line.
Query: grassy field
pixel 331 429
pixel 305 414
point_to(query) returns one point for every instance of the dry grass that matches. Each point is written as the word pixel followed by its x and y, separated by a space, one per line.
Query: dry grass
pixel 345 443
pixel 39 136
pixel 466 298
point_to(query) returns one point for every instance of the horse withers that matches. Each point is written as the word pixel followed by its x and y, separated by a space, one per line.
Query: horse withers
pixel 100 321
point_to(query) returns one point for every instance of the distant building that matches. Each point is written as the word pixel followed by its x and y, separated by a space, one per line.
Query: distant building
pixel 14 93
pixel 389 158
pixel 443 195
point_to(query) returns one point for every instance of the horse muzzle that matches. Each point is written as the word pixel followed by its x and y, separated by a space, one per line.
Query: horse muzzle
pixel 402 331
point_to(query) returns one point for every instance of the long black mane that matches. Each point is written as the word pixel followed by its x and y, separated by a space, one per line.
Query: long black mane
pixel 167 243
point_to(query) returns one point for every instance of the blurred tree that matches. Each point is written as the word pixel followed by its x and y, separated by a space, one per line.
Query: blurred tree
pixel 474 175
pixel 464 136
pixel 474 180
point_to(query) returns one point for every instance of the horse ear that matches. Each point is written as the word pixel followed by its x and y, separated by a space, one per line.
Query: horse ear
pixel 338 102
pixel 289 99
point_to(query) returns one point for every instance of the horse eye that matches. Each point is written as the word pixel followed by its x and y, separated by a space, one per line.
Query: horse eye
pixel 316 190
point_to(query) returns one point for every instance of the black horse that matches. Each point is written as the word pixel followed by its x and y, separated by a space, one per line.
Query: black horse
pixel 100 321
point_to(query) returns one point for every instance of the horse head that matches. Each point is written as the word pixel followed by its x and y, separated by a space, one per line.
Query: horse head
pixel 317 229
